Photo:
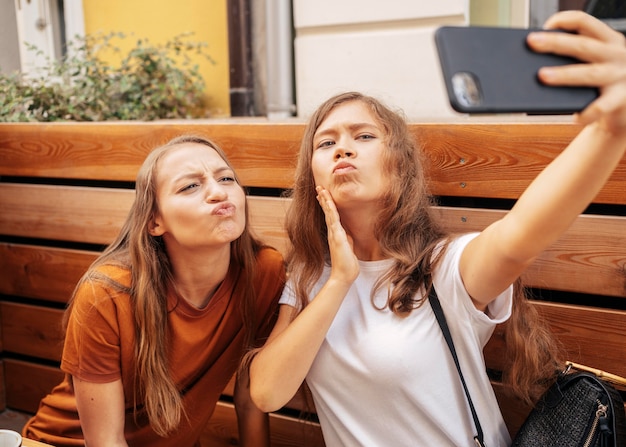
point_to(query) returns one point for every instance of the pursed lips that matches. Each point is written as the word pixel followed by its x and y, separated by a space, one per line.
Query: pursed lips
pixel 224 209
pixel 343 167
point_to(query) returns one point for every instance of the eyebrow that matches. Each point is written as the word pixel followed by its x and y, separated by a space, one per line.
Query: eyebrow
pixel 351 127
pixel 198 174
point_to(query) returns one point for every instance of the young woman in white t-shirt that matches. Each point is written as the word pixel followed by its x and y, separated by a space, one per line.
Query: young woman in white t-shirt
pixel 366 250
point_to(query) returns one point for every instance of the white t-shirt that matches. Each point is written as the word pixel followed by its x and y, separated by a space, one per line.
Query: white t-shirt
pixel 388 381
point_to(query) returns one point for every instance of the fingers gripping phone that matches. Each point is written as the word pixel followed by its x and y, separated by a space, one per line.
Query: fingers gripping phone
pixel 492 70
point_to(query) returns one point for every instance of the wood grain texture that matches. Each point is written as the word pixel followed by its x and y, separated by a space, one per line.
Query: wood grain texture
pixel 587 335
pixel 465 160
pixel 589 258
pixel 67 213
pixel 46 273
pixel 499 161
pixel 114 151
pixel 28 382
pixel 32 330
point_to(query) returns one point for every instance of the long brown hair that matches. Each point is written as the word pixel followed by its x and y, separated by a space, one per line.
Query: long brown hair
pixel 408 232
pixel 151 274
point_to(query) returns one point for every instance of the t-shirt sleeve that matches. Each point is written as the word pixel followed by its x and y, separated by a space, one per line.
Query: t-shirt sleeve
pixel 454 297
pixel 92 343
pixel 288 296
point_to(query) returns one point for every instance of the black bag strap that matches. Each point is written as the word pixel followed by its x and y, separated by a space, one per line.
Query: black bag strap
pixel 441 319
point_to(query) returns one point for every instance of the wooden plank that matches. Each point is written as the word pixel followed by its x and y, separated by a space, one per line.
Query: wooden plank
pixel 32 330
pixel 3 393
pixel 591 336
pixel 588 258
pixel 285 431
pixel 45 273
pixel 114 151
pixel 221 431
pixel 27 383
pixel 466 160
pixel 70 213
pixel 267 217
pixel 580 331
pixel 95 215
pixel 486 159
pixel 499 160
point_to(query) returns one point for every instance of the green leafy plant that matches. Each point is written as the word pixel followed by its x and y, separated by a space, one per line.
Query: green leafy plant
pixel 151 82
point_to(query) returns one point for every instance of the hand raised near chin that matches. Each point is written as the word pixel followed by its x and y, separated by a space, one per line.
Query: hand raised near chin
pixel 344 263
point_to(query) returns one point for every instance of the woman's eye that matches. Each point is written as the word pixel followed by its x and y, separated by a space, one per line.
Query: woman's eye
pixel 189 187
pixel 227 179
pixel 366 137
pixel 325 143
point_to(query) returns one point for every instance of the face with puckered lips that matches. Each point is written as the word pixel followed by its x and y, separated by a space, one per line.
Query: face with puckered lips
pixel 199 200
pixel 347 159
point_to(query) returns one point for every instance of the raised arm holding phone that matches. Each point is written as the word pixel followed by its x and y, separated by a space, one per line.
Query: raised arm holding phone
pixel 366 251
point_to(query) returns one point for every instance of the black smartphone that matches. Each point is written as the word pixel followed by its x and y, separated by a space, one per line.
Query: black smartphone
pixel 492 70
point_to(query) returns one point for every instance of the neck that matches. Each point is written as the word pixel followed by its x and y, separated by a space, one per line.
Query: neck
pixel 198 275
pixel 360 227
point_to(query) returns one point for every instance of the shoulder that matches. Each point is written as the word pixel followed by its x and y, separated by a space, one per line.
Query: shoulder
pixel 447 256
pixel 270 273
pixel 448 251
pixel 103 283
pixel 116 273
pixel 269 260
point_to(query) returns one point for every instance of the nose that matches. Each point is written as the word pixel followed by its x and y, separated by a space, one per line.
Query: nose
pixel 216 192
pixel 343 151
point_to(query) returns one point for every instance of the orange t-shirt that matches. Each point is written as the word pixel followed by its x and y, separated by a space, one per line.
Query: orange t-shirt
pixel 99 347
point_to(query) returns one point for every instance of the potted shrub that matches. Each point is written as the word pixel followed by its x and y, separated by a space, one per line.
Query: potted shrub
pixel 151 82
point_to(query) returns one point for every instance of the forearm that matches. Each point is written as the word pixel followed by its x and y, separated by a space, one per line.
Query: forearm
pixel 254 430
pixel 253 424
pixel 280 367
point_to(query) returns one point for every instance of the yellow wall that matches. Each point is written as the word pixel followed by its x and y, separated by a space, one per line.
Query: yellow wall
pixel 160 20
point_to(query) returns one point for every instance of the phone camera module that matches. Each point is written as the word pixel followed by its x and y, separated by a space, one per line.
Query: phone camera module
pixel 466 89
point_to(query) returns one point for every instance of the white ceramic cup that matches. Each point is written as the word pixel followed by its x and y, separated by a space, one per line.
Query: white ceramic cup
pixel 10 438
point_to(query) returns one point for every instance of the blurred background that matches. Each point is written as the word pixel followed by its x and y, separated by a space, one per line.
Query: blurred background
pixel 281 58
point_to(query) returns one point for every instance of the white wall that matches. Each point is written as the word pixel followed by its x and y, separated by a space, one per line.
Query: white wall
pixel 9 42
pixel 383 48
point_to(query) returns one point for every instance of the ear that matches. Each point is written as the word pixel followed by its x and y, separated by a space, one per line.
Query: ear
pixel 155 227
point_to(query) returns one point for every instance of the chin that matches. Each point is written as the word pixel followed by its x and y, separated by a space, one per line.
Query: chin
pixel 231 234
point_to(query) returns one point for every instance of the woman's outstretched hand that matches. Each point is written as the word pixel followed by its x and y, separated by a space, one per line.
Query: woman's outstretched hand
pixel 604 49
pixel 344 263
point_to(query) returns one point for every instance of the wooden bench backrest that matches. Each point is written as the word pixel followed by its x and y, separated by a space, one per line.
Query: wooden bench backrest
pixel 65 190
